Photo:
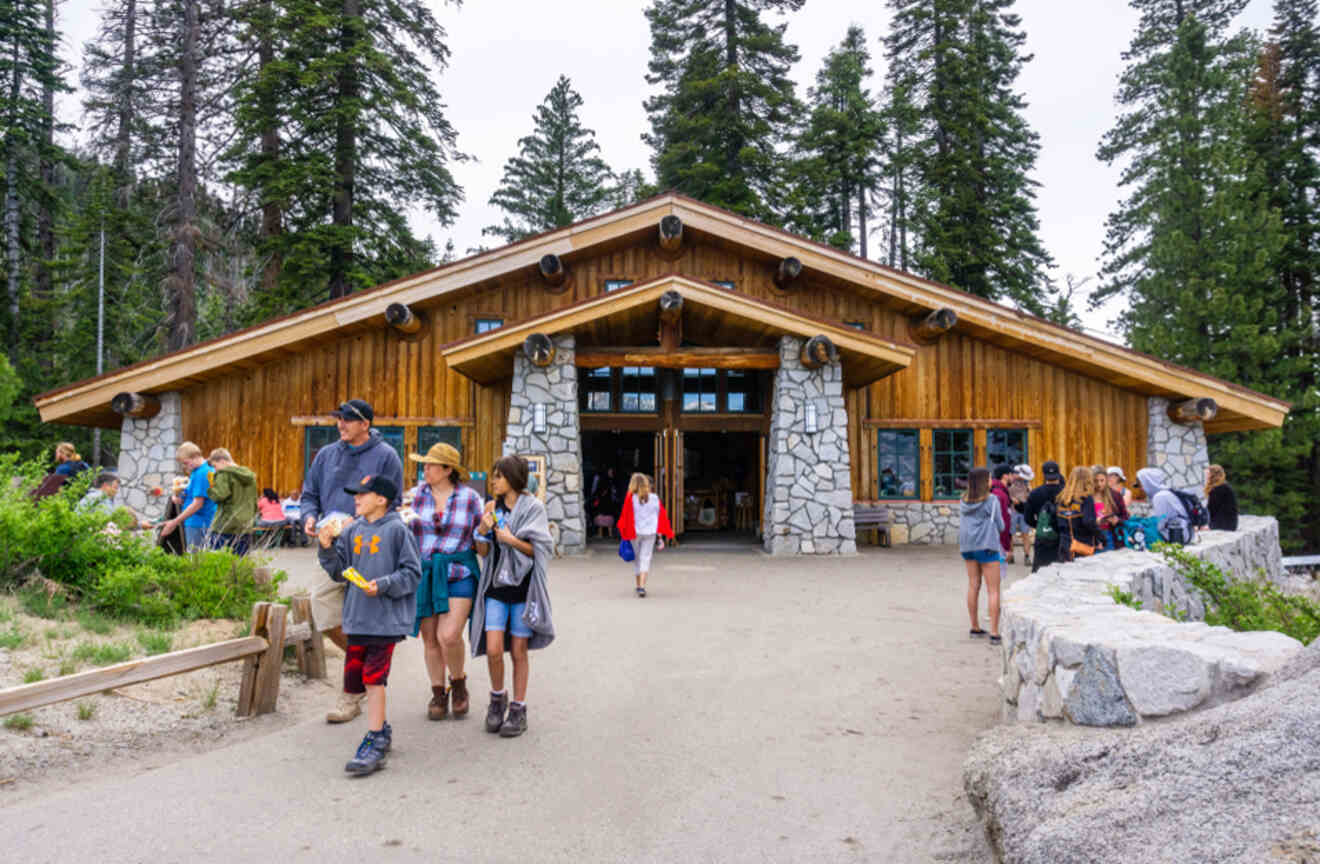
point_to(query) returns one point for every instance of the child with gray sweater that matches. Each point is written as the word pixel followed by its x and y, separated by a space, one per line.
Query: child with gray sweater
pixel 378 612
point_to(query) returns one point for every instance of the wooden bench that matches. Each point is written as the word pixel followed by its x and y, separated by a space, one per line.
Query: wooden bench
pixel 875 518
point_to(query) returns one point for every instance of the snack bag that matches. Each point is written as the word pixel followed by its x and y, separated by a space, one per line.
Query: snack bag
pixel 340 521
pixel 352 575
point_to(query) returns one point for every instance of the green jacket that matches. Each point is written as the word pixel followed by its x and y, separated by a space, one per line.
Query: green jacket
pixel 234 490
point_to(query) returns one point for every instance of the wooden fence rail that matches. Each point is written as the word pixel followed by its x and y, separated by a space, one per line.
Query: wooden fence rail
pixel 262 654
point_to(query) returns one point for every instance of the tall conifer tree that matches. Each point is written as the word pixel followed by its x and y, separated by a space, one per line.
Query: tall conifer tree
pixel 558 177
pixel 725 104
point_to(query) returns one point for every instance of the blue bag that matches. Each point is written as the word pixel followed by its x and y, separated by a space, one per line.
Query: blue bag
pixel 626 550
pixel 1141 532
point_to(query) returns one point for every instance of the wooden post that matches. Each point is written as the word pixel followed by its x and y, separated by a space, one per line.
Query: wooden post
pixel 552 270
pixel 311 654
pixel 1201 410
pixel 671 235
pixel 788 271
pixel 671 320
pixel 138 405
pixel 401 318
pixel 818 351
pixel 247 688
pixel 928 329
pixel 539 349
pixel 271 663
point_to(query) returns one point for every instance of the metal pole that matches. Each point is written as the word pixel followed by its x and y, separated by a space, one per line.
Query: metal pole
pixel 100 340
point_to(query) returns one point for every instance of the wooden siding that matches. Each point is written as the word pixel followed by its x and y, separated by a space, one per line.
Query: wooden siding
pixel 251 412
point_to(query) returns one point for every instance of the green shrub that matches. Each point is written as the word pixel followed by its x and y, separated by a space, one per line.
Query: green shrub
pixel 211 584
pixel 94 622
pixel 40 603
pixel 13 638
pixel 33 675
pixel 1123 598
pixel 19 722
pixel 155 642
pixel 1245 604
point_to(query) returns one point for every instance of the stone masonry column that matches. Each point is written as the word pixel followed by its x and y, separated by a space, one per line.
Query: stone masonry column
pixel 146 456
pixel 555 386
pixel 808 501
pixel 1177 448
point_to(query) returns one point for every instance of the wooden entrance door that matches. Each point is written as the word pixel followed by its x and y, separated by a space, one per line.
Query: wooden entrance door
pixel 669 474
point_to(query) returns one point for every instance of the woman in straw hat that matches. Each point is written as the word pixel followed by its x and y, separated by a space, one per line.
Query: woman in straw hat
pixel 445 514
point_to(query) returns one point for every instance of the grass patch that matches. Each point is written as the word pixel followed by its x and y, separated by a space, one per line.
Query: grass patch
pixel 68 666
pixel 40 603
pixel 12 638
pixel 103 653
pixel 210 695
pixel 86 710
pixel 19 722
pixel 155 642
pixel 33 675
pixel 1123 598
pixel 95 622
pixel 6 614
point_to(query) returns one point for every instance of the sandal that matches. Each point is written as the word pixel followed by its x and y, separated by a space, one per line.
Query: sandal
pixel 977 632
pixel 995 639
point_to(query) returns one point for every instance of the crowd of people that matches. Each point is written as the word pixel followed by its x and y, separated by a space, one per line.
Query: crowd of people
pixel 1089 513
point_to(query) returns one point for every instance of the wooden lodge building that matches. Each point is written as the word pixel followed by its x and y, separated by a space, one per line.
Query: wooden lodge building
pixel 766 381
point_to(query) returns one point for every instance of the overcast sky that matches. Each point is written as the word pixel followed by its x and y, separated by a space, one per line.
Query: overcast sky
pixel 508 53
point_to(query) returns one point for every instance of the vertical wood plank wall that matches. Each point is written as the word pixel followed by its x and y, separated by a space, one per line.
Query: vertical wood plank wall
pixel 1084 420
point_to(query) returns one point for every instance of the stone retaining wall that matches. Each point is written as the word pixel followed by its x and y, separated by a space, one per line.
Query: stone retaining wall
pixel 1071 653
pixel 1177 448
pixel 146 457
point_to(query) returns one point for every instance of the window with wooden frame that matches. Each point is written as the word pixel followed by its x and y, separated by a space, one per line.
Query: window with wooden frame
pixel 1006 447
pixel 314 438
pixel 485 325
pixel 700 391
pixel 951 459
pixel 898 463
pixel 742 392
pixel 429 436
pixel 596 390
pixel 637 390
pixel 725 283
pixel 616 284
pixel 856 325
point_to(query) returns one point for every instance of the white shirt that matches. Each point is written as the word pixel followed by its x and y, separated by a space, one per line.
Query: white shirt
pixel 646 517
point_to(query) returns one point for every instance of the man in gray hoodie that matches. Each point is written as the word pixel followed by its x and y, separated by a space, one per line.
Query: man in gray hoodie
pixel 359 452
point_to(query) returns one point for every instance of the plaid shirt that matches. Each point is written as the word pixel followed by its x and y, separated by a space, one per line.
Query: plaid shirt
pixel 449 532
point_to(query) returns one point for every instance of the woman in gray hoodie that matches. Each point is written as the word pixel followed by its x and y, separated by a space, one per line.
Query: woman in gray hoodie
pixel 978 540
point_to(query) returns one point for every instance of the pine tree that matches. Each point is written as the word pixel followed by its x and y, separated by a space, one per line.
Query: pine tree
pixel 837 167
pixel 726 102
pixel 972 205
pixel 558 177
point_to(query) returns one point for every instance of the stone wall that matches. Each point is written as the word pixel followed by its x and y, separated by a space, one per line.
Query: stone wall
pixel 146 457
pixel 808 500
pixel 555 386
pixel 1177 448
pixel 1071 653
pixel 923 522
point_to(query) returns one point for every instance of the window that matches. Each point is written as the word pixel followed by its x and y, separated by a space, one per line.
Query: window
pixel 638 390
pixel 429 436
pixel 856 325
pixel 724 283
pixel 314 438
pixel 1005 447
pixel 952 456
pixel 596 387
pixel 700 390
pixel 743 392
pixel 899 463
pixel 616 284
pixel 393 436
pixel 485 325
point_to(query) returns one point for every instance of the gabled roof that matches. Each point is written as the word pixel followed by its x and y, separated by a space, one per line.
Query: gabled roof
pixel 1240 408
pixel 488 357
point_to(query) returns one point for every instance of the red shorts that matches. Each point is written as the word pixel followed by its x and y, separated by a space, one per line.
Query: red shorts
pixel 367 666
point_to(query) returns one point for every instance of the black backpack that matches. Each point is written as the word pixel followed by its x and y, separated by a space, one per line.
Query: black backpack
pixel 1196 513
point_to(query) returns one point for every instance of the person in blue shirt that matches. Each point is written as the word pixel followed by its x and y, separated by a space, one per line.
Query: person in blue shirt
pixel 196 509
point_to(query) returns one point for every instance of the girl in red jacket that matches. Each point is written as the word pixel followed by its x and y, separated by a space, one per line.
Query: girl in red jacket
pixel 643 518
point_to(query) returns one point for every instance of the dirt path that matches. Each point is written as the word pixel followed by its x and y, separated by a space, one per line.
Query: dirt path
pixel 686 726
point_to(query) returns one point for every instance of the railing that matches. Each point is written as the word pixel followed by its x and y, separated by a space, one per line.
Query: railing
pixel 262 654
pixel 1301 562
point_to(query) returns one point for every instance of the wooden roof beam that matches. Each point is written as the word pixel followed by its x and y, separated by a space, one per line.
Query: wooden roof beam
pixel 671 236
pixel 818 351
pixel 787 273
pixel 1201 410
pixel 671 320
pixel 552 270
pixel 928 329
pixel 540 349
pixel 136 405
pixel 403 319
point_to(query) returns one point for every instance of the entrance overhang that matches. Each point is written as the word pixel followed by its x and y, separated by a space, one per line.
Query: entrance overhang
pixel 713 315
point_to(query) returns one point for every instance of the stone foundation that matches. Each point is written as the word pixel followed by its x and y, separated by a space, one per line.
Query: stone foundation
pixel 1178 449
pixel 146 457
pixel 1070 652
pixel 555 386
pixel 808 500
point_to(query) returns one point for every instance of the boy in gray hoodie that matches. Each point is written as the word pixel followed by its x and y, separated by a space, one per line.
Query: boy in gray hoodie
pixel 378 613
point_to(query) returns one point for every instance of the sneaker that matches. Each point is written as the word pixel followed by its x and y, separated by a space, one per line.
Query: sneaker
pixel 387 736
pixel 495 713
pixel 370 756
pixel 641 592
pixel 516 723
pixel 348 707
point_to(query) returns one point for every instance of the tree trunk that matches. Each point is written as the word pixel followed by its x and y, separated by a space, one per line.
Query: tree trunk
pixel 182 294
pixel 46 217
pixel 861 221
pixel 731 61
pixel 271 215
pixel 11 198
pixel 341 255
pixel 127 76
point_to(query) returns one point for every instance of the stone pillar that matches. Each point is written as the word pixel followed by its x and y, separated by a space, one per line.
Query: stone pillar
pixel 555 386
pixel 1177 448
pixel 808 484
pixel 146 457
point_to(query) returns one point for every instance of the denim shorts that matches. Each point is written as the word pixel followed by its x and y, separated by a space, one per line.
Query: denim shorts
pixel 499 614
pixel 465 587
pixel 983 556
pixel 1018 524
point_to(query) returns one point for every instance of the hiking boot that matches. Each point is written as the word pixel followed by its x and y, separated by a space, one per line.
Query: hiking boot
pixel 439 705
pixel 516 723
pixel 495 713
pixel 348 707
pixel 387 737
pixel 458 687
pixel 370 756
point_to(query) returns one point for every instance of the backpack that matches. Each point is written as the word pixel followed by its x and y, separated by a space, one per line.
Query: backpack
pixel 1141 532
pixel 1196 513
pixel 1045 532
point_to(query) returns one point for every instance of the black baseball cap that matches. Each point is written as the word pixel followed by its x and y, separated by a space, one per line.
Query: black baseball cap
pixel 1000 471
pixel 382 486
pixel 354 409
pixel 1051 469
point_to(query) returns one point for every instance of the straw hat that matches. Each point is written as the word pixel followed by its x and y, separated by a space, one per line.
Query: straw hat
pixel 443 454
